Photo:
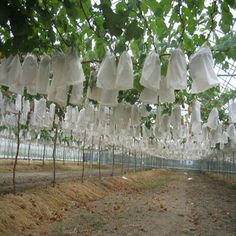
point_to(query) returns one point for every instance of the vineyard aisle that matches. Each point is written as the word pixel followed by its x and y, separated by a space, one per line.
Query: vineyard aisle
pixel 179 203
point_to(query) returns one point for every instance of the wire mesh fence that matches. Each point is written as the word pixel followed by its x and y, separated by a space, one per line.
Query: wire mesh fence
pixel 222 161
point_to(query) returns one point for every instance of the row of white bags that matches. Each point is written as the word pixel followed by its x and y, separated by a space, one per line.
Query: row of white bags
pixel 66 68
pixel 201 70
pixel 111 77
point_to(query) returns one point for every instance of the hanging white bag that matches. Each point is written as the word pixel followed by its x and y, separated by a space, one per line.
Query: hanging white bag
pixel 124 76
pixel 106 76
pixel 135 115
pixel 58 79
pixel 103 96
pixel 15 71
pixel 61 95
pixel 94 93
pixel 148 96
pixel 76 97
pixel 41 108
pixel 151 72
pixel 68 114
pixel 232 112
pixel 52 109
pixel 81 120
pixel 166 95
pixel 29 70
pixel 196 128
pixel 177 70
pixel 196 112
pixel 74 114
pixel 17 88
pixel 4 69
pixel 42 80
pixel 165 123
pixel 31 90
pixel 202 70
pixel 158 116
pixel 231 131
pixel 73 68
pixel 109 97
pixel 175 118
pixel 213 119
pixel 14 76
pixel 143 111
pixel 18 103
pixel 224 137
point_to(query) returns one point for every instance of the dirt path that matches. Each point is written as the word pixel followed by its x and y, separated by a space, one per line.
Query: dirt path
pixel 179 204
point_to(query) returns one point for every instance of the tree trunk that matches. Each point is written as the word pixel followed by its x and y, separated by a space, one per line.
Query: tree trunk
pixel 54 157
pixel 44 152
pixel 17 153
pixel 141 164
pixel 122 158
pixel 29 147
pixel 99 157
pixel 64 153
pixel 78 156
pixel 83 155
pixel 113 159
pixel 91 158
pixel 128 160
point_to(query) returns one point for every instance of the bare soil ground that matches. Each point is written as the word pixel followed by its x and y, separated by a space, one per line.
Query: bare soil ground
pixel 177 203
pixel 34 175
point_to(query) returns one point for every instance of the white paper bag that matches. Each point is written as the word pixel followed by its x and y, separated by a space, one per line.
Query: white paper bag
pixel 109 97
pixel 175 118
pixel 73 68
pixel 76 97
pixel 148 96
pixel 103 96
pixel 106 77
pixel 196 112
pixel 58 90
pixel 4 69
pixel 151 72
pixel 29 70
pixel 177 70
pixel 165 123
pixel 213 119
pixel 166 95
pixel 42 80
pixel 231 131
pixel 202 70
pixel 15 71
pixel 124 76
pixel 14 76
pixel 232 112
